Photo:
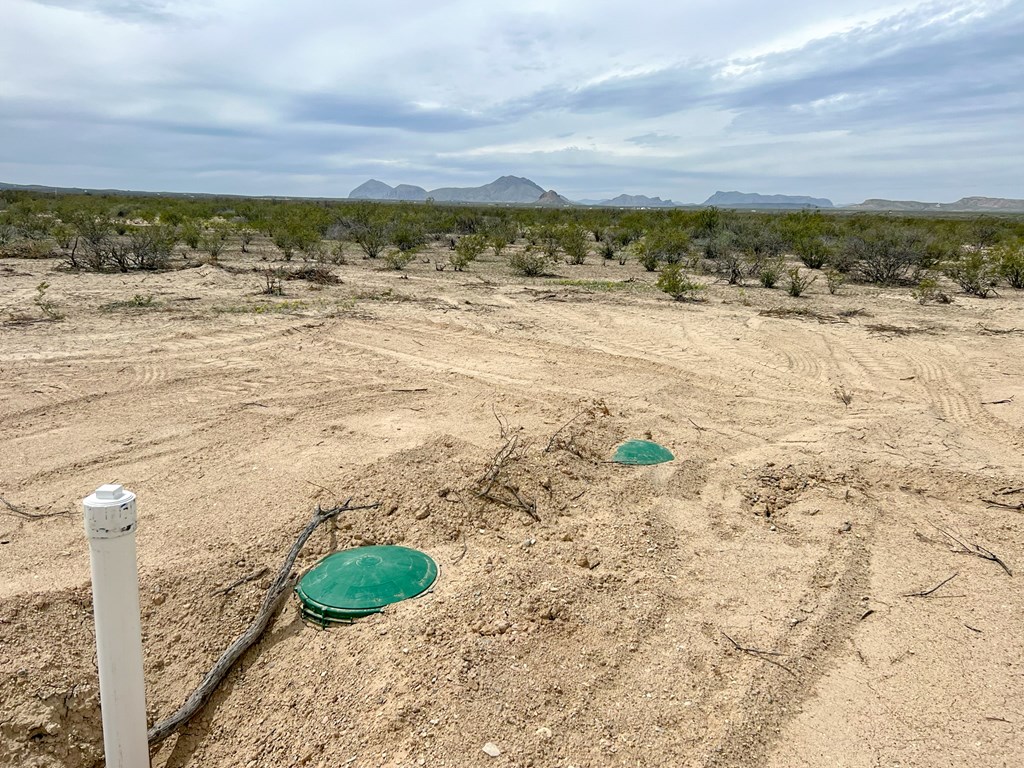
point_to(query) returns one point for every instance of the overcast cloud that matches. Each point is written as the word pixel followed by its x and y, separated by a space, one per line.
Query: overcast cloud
pixel 903 100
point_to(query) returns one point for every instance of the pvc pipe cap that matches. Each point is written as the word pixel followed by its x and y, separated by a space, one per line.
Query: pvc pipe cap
pixel 109 512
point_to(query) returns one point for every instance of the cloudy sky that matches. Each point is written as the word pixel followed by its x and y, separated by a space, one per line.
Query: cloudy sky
pixel 904 100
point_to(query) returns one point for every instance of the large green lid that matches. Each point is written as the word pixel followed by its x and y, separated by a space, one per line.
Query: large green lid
pixel 357 582
pixel 642 452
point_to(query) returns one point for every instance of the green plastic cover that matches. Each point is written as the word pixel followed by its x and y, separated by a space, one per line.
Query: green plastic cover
pixel 357 582
pixel 642 452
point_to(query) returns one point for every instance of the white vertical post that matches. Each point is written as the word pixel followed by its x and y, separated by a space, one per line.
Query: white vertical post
pixel 110 520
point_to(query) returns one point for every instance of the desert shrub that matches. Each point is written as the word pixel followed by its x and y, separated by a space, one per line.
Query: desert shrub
pixel 407 235
pixel 758 241
pixel 724 258
pixel 797 283
pixel 1010 263
pixel 548 239
pixel 668 243
pixel 678 284
pixel 573 241
pixel 885 254
pixel 398 259
pixel 813 250
pixel 319 274
pixel 708 222
pixel 191 233
pixel 975 272
pixel 371 235
pixel 246 235
pixel 273 278
pixel 467 250
pixel 645 254
pixel 45 305
pixel 215 241
pixel 64 235
pixel 771 272
pixel 500 237
pixel 928 290
pixel 96 235
pixel 834 279
pixel 28 249
pixel 529 262
pixel 150 247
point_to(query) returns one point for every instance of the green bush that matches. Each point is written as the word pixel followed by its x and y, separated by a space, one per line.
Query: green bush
pixel 771 272
pixel 398 259
pixel 467 250
pixel 573 241
pixel 814 251
pixel 1010 263
pixel 928 290
pixel 529 262
pixel 975 272
pixel 678 284
pixel 885 253
pixel 797 283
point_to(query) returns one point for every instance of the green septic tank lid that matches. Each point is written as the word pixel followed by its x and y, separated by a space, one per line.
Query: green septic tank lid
pixel 642 452
pixel 357 582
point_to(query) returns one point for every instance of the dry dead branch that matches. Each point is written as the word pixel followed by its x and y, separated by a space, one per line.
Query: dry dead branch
pixel 268 609
pixel 1019 506
pixel 928 592
pixel 760 654
pixel 970 548
pixel 243 580
pixel 26 515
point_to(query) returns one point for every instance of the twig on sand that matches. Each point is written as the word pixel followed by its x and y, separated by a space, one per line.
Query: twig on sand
pixel 243 580
pixel 284 579
pixel 697 426
pixel 1004 401
pixel 19 512
pixel 760 654
pixel 975 549
pixel 936 588
pixel 1019 506
pixel 551 442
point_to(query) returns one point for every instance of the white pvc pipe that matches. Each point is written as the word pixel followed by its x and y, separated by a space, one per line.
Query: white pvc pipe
pixel 110 520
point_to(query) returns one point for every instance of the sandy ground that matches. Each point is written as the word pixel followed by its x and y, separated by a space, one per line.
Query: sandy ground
pixel 604 635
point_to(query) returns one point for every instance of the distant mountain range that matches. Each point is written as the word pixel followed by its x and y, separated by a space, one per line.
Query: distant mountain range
pixel 963 205
pixel 754 200
pixel 518 190
pixel 506 189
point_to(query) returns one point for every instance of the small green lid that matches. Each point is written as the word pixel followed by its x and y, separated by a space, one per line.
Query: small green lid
pixel 357 582
pixel 642 452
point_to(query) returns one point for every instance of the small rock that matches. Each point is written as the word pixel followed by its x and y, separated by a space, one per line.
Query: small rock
pixel 527 543
pixel 788 484
pixel 846 527
pixel 501 626
pixel 544 732
pixel 546 483
pixel 443 493
pixel 159 598
pixel 491 749
pixel 566 536
pixel 392 509
pixel 582 561
pixel 422 514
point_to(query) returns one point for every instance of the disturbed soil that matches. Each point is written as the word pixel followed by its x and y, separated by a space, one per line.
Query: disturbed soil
pixel 749 604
